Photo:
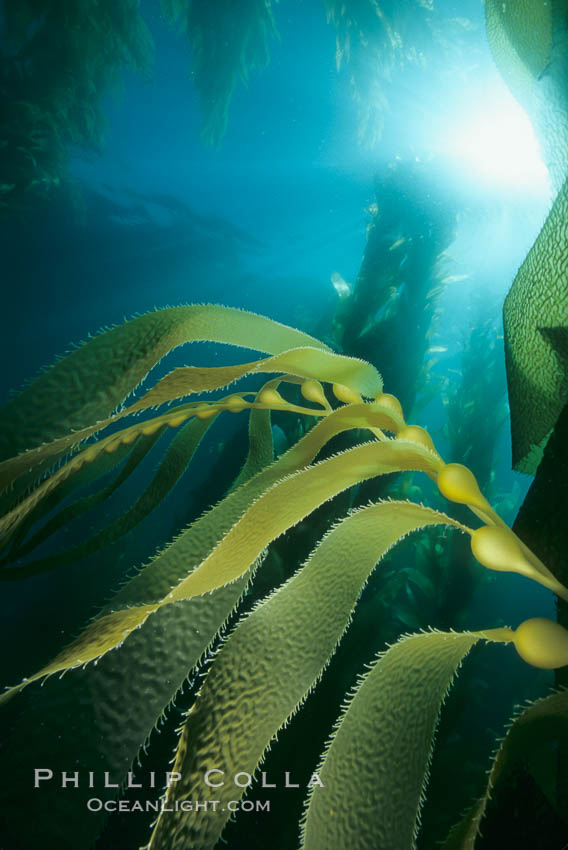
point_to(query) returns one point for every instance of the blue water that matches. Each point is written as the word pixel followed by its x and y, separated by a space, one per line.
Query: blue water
pixel 269 215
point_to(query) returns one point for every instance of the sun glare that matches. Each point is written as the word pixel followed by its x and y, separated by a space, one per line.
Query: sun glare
pixel 497 144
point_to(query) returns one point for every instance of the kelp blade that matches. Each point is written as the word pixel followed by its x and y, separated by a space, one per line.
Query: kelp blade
pixel 90 382
pixel 174 463
pixel 374 770
pixel 154 661
pixel 90 473
pixel 279 508
pixel 304 362
pixel 157 579
pixel 271 661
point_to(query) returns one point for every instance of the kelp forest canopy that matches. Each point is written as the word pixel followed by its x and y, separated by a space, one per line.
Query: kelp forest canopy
pixel 282 491
pixel 60 62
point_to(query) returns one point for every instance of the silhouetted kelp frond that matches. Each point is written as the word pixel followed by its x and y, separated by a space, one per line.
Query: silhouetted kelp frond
pixel 396 290
pixel 59 61
pixel 479 382
pixel 533 739
pixel 228 40
pixel 373 39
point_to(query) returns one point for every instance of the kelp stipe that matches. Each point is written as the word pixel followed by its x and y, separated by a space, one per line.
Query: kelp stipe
pixel 265 668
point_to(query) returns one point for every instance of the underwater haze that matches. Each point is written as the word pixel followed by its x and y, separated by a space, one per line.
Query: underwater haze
pixel 361 171
pixel 262 219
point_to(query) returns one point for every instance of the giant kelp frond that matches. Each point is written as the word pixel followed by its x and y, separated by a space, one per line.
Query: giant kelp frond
pixel 88 384
pixel 228 40
pixel 161 622
pixel 286 492
pixel 151 336
pixel 268 665
pixel 280 507
pixel 176 458
pixel 157 658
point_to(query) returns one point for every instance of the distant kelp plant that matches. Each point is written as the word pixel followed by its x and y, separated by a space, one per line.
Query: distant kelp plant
pixel 58 62
pixel 396 296
pixel 71 426
pixel 227 41
pixel 401 278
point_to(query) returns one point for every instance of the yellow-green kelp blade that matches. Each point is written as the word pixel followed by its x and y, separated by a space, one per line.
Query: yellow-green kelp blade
pixel 270 662
pixel 174 463
pixel 324 365
pixel 90 382
pixel 275 510
pixel 535 737
pixel 294 498
pixel 90 473
pixel 154 661
pixel 165 571
pixel 376 766
pixel 303 362
pixel 85 718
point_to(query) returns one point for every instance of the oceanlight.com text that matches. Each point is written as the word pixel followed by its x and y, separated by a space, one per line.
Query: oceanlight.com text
pixel 95 804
